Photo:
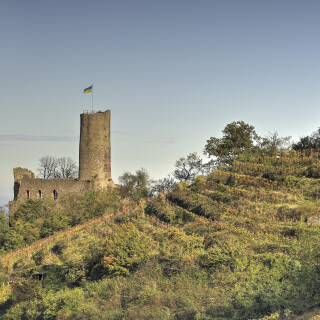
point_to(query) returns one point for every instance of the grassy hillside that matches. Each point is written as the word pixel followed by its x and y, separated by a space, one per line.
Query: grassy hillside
pixel 241 243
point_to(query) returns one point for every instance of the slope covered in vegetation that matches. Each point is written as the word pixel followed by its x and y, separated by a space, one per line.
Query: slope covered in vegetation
pixel 241 243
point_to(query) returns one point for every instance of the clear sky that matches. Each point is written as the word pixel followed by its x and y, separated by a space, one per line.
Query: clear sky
pixel 173 73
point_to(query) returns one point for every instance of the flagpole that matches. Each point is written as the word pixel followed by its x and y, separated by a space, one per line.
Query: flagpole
pixel 92 98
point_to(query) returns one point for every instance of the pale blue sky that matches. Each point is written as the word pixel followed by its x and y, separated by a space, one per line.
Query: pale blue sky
pixel 173 73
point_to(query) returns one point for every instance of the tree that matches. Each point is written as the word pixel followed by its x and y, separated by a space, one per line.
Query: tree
pixel 47 167
pixel 238 137
pixel 4 228
pixel 51 167
pixel 272 144
pixel 308 142
pixel 67 168
pixel 164 185
pixel 191 166
pixel 135 186
pixel 188 168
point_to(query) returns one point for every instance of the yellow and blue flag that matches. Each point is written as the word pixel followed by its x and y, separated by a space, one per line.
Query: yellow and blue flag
pixel 87 90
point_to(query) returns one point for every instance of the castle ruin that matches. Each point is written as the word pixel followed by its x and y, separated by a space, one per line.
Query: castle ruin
pixel 94 165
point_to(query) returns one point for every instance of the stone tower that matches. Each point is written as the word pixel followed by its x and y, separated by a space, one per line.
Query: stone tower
pixel 95 148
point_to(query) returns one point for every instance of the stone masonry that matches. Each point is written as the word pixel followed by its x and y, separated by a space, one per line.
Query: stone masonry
pixel 94 166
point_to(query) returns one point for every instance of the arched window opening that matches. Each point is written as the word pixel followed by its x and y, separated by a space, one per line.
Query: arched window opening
pixel 28 194
pixel 40 194
pixel 16 188
pixel 55 195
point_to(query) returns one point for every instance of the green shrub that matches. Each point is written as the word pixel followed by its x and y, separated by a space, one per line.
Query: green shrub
pixel 219 196
pixel 26 290
pixel 160 208
pixel 196 203
pixel 126 247
pixel 59 246
pixel 180 253
pixel 217 256
pixel 313 170
pixel 88 311
pixel 54 279
pixel 17 312
pixel 297 213
pixel 38 257
pixel 231 180
pixel 62 303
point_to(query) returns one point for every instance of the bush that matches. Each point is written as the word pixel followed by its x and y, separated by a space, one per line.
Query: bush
pixel 38 257
pixel 126 247
pixel 59 246
pixel 160 208
pixel 215 257
pixel 61 304
pixel 196 203
pixel 297 213
pixel 30 310
pixel 180 253
pixel 54 278
pixel 26 290
pixel 219 196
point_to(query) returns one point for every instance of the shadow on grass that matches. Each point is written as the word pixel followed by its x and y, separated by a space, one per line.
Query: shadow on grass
pixel 5 306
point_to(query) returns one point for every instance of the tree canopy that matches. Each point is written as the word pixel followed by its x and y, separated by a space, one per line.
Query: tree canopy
pixel 308 142
pixel 272 144
pixel 238 137
pixel 135 186
pixel 189 167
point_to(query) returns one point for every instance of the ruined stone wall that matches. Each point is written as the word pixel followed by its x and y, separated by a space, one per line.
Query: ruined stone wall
pixel 34 188
pixel 95 147
pixel 20 173
pixel 27 187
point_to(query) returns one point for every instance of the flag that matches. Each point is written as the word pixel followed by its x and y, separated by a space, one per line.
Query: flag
pixel 87 90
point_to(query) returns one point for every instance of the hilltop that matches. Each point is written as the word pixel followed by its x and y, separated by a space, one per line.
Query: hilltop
pixel 240 243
